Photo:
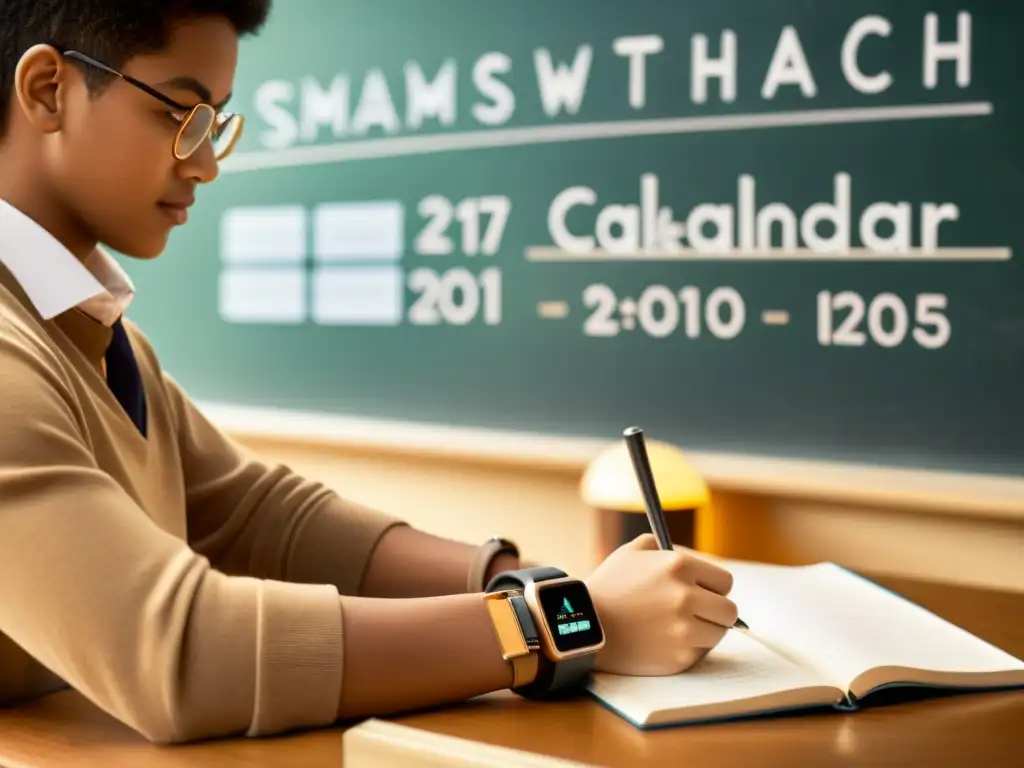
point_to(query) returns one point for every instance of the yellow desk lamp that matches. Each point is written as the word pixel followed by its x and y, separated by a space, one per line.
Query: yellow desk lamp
pixel 609 485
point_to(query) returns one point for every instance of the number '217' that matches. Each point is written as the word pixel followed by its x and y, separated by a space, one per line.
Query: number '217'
pixel 481 223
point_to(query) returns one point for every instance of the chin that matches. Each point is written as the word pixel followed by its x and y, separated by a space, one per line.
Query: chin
pixel 144 249
pixel 151 253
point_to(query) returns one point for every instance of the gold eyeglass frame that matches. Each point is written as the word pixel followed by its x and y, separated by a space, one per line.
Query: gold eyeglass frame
pixel 218 122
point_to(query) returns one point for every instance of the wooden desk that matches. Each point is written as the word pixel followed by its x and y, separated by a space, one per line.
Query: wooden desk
pixel 978 729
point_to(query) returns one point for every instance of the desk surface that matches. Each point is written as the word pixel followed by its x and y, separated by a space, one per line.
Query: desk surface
pixel 977 729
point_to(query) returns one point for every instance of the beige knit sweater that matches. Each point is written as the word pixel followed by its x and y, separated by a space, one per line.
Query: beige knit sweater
pixel 182 584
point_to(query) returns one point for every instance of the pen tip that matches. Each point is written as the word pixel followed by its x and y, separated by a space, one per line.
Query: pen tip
pixel 629 431
pixel 740 624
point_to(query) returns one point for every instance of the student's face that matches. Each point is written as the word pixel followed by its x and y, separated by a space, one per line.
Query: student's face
pixel 116 166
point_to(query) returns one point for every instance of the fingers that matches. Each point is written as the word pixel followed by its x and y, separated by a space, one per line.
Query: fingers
pixel 710 607
pixel 645 541
pixel 695 655
pixel 701 634
pixel 711 576
pixel 695 570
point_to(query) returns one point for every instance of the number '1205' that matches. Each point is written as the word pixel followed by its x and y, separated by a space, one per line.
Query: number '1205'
pixel 888 320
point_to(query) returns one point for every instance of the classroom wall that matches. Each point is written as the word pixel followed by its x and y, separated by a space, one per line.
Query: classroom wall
pixel 756 266
pixel 879 337
pixel 539 506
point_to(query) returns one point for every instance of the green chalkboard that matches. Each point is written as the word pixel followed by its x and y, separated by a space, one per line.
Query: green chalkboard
pixel 788 228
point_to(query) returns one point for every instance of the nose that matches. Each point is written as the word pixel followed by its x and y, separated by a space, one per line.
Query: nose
pixel 201 166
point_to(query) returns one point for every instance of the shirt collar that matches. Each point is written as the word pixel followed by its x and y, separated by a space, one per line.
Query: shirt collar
pixel 53 279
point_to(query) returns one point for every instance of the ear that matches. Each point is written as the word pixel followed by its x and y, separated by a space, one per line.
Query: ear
pixel 40 82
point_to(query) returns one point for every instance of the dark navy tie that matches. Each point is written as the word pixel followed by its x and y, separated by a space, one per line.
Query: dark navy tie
pixel 124 378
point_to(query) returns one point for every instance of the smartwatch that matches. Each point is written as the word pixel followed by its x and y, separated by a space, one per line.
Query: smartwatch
pixel 568 630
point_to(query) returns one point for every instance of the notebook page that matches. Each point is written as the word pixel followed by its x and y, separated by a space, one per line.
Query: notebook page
pixel 844 625
pixel 771 599
pixel 738 668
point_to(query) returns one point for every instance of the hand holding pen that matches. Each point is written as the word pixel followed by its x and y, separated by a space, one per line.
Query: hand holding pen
pixel 662 611
pixel 634 437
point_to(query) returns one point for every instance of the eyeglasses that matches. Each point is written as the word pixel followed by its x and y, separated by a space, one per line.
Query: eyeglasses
pixel 197 123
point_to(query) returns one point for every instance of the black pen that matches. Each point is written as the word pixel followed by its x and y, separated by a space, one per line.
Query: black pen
pixel 634 437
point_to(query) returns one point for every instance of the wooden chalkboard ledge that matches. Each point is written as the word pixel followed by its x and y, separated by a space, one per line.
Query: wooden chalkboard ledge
pixel 980 495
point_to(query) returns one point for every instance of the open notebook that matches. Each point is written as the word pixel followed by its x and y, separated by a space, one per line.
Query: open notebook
pixel 819 636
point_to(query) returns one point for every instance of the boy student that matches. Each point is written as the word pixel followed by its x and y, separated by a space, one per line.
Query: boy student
pixel 185 586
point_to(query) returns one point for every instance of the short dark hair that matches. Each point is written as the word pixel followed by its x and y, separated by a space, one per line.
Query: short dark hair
pixel 112 31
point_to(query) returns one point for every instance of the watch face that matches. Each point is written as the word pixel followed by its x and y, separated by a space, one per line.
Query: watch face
pixel 570 615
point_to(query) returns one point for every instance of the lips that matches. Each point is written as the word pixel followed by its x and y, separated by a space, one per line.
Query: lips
pixel 177 210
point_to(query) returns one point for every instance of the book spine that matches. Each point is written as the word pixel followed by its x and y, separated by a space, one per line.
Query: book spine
pixel 848 703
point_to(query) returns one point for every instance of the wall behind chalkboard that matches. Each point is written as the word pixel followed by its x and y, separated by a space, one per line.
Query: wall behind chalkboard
pixel 789 228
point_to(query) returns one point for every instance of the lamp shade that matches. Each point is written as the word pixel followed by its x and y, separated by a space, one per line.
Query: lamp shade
pixel 609 481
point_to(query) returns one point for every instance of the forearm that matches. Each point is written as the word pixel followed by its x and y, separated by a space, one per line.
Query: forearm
pixel 411 563
pixel 255 517
pixel 406 654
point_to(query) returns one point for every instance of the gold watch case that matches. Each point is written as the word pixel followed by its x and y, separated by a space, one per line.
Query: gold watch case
pixel 532 596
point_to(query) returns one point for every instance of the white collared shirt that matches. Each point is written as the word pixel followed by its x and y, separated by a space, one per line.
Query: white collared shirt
pixel 54 279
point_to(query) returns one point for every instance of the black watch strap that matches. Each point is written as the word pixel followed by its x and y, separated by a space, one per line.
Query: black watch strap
pixel 554 680
pixel 561 680
pixel 519 579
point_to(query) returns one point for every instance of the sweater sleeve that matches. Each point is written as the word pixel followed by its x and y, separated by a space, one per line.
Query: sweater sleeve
pixel 128 614
pixel 259 518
